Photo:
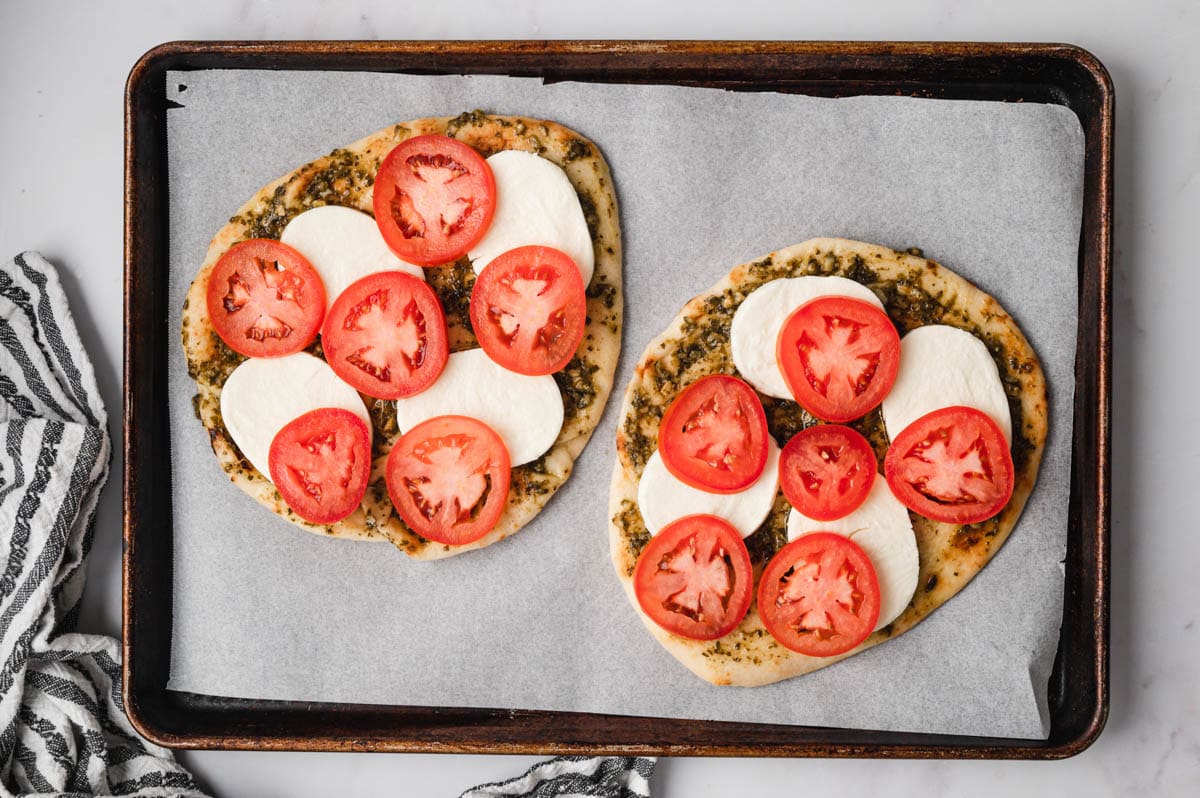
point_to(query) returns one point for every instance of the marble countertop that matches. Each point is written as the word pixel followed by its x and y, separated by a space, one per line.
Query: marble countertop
pixel 62 74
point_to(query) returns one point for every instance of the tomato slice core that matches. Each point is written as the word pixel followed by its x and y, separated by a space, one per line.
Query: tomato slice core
pixel 826 471
pixel 713 436
pixel 839 356
pixel 529 309
pixel 434 198
pixel 951 465
pixel 819 595
pixel 320 462
pixel 265 299
pixel 694 578
pixel 448 478
pixel 386 335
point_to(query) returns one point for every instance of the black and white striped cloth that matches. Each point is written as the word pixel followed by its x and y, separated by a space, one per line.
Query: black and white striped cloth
pixel 570 776
pixel 63 729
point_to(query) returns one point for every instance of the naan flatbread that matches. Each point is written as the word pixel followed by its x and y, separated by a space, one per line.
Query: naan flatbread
pixel 344 177
pixel 915 291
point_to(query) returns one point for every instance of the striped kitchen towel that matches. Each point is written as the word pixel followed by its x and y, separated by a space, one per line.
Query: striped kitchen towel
pixel 63 729
pixel 568 776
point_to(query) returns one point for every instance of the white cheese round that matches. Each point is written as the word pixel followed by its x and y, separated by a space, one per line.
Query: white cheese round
pixel 263 394
pixel 526 412
pixel 881 527
pixel 343 245
pixel 942 366
pixel 535 204
pixel 759 319
pixel 662 498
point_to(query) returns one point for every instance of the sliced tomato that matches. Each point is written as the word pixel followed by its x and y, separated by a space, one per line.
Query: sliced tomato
pixel 434 198
pixel 839 357
pixel 714 435
pixel 951 465
pixel 694 578
pixel 819 595
pixel 826 471
pixel 265 299
pixel 320 463
pixel 386 335
pixel 529 309
pixel 448 479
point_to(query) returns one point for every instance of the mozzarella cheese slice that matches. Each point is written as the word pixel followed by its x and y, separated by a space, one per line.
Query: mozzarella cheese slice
pixel 343 245
pixel 881 527
pixel 263 394
pixel 758 320
pixel 942 366
pixel 663 498
pixel 535 204
pixel 526 412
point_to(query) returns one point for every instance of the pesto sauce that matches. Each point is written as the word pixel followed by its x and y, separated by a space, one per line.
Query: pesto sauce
pixel 527 480
pixel 383 419
pixel 968 536
pixel 338 179
pixel 909 306
pixel 216 369
pixel 576 382
pixel 589 215
pixel 771 536
pixel 739 646
pixel 633 528
pixel 605 292
pixel 473 118
pixel 638 445
pixel 338 182
pixel 785 418
pixel 453 284
pixel 422 541
pixel 267 221
pixel 577 149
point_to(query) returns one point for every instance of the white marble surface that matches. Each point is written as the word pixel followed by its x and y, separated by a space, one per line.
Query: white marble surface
pixel 62 72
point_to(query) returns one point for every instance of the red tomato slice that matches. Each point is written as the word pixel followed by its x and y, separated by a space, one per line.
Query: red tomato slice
pixel 819 595
pixel 839 357
pixel 448 478
pixel 320 463
pixel 265 299
pixel 386 335
pixel 714 435
pixel 826 471
pixel 434 198
pixel 529 309
pixel 694 578
pixel 951 465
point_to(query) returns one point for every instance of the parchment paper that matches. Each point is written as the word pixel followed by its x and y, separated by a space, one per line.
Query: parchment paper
pixel 706 179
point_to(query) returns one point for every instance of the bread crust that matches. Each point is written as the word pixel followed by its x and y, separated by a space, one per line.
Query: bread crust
pixel 345 177
pixel 915 291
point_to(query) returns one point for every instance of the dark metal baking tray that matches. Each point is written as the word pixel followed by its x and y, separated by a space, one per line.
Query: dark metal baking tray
pixel 1053 73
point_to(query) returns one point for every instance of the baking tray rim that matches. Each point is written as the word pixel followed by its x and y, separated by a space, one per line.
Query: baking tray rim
pixel 866 67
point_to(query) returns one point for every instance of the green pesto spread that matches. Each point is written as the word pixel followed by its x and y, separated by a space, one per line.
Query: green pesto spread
pixel 453 284
pixel 341 179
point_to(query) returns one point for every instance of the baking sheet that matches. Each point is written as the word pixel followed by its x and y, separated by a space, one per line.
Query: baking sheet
pixel 706 179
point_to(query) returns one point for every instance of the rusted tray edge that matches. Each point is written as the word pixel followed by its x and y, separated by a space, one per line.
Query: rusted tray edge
pixel 872 66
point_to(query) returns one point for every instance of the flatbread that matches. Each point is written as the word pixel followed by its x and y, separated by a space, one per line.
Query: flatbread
pixel 344 177
pixel 915 291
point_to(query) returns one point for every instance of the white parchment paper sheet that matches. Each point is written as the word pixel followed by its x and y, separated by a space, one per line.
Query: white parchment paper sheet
pixel 706 179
